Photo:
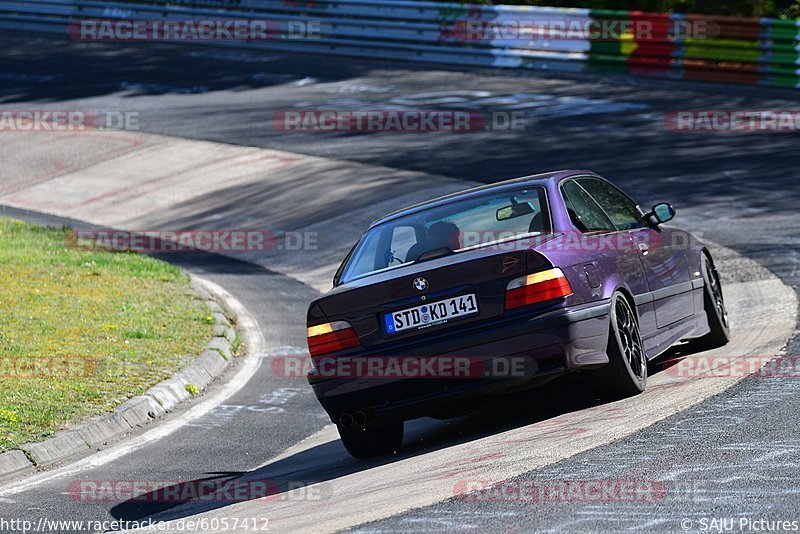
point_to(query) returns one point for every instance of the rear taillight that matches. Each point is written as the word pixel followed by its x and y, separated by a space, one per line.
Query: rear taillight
pixel 537 287
pixel 330 337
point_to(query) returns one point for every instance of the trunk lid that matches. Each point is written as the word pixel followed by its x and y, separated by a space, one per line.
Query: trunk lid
pixel 483 272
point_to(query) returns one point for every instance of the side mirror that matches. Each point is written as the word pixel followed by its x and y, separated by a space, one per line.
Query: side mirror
pixel 662 213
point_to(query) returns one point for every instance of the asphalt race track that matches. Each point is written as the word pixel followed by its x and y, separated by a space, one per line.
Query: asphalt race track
pixel 731 455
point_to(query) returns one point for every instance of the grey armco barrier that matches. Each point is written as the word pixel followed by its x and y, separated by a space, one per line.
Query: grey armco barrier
pixel 755 51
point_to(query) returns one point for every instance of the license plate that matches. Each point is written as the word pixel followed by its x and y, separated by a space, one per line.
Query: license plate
pixel 432 314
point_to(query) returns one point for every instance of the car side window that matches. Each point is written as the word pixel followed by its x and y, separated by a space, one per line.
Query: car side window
pixel 585 213
pixel 403 238
pixel 621 210
pixel 366 257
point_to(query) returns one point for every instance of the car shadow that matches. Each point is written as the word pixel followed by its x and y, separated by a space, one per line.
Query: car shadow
pixel 328 461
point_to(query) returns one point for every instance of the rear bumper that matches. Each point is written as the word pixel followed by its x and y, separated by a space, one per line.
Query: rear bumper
pixel 549 345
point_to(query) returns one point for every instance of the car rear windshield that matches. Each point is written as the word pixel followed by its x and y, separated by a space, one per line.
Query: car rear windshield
pixel 450 228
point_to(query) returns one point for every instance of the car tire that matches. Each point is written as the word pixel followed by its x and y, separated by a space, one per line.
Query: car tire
pixel 371 441
pixel 714 304
pixel 626 373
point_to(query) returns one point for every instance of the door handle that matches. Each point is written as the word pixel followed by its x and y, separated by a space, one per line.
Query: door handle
pixel 643 248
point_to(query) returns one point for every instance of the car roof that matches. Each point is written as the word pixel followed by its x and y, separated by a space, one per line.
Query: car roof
pixel 533 179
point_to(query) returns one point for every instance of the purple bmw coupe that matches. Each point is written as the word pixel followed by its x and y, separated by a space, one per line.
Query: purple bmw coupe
pixel 447 304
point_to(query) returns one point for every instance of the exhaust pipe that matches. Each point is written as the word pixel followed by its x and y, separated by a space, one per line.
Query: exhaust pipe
pixel 360 418
pixel 346 419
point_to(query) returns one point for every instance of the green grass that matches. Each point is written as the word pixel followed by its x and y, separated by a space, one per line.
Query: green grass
pixel 81 331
